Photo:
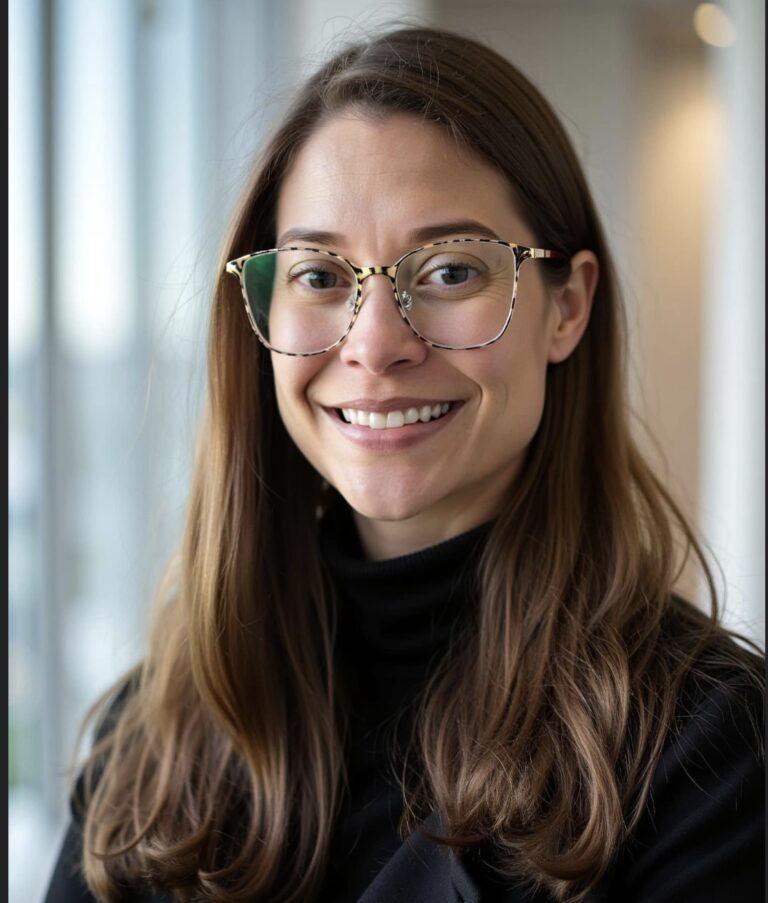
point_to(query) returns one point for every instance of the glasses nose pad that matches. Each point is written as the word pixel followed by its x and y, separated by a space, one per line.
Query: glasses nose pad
pixel 406 300
pixel 350 305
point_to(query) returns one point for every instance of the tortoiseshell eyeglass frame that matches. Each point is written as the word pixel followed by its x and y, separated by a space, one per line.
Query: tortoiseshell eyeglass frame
pixel 521 254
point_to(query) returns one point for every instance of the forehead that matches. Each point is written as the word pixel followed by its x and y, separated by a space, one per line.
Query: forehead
pixel 358 175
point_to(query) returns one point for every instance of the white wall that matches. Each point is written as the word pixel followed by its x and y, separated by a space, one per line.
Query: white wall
pixel 673 170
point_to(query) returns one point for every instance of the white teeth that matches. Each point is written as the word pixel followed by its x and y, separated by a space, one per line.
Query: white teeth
pixel 377 420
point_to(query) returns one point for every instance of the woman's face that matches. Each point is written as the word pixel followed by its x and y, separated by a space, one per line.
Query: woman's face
pixel 377 188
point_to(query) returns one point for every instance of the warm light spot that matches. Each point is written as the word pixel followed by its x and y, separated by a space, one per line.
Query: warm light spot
pixel 713 26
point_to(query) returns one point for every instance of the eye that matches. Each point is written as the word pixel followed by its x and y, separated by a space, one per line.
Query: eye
pixel 319 277
pixel 442 273
pixel 452 274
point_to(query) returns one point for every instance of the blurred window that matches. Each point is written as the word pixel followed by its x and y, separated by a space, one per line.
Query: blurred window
pixel 132 130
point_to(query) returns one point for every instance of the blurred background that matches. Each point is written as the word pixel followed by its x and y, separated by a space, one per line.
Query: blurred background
pixel 133 125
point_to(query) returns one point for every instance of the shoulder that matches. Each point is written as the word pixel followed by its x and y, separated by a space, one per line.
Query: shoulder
pixel 724 685
pixel 719 723
pixel 702 832
pixel 717 738
pixel 720 708
pixel 113 703
pixel 106 712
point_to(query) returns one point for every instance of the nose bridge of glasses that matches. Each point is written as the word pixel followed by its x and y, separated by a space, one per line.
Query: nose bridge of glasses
pixel 364 273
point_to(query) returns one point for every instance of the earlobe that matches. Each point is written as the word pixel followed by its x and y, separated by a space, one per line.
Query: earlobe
pixel 573 301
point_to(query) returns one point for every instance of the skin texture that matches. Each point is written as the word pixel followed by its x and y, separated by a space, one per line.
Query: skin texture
pixel 373 183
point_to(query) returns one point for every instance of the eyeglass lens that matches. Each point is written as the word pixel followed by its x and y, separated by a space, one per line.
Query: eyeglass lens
pixel 458 295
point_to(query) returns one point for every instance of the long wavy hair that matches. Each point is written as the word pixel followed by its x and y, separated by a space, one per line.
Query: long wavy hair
pixel 219 771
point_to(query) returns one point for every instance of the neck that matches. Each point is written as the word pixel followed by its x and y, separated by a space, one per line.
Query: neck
pixel 382 540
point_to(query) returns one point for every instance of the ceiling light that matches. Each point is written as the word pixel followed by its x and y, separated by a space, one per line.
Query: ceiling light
pixel 713 26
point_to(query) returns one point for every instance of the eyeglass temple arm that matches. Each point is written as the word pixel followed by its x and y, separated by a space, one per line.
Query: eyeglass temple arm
pixel 540 252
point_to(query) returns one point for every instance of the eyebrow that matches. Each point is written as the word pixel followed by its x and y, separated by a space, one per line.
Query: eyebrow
pixel 421 235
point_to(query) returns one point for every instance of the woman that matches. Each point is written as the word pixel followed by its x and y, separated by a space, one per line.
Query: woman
pixel 426 580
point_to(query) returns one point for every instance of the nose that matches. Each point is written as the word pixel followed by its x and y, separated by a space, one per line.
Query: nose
pixel 380 339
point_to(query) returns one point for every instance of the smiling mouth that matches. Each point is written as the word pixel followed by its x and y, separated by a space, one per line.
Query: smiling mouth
pixel 379 420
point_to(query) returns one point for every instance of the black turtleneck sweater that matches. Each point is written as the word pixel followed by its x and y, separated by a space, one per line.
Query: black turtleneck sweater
pixel 395 621
pixel 702 834
pixel 703 830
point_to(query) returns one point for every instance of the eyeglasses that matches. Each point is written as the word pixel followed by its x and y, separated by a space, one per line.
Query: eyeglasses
pixel 456 294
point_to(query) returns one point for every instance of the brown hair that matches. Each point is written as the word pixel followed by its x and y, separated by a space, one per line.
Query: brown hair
pixel 218 775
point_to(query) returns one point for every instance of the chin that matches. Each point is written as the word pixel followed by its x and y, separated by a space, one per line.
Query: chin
pixel 383 503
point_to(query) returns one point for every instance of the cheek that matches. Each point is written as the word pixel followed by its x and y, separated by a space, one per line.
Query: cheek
pixel 295 412
pixel 514 386
pixel 292 377
pixel 520 401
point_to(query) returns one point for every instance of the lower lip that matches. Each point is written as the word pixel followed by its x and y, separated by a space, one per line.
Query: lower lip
pixel 394 439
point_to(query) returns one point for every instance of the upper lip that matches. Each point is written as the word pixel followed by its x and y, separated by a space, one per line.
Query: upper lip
pixel 385 405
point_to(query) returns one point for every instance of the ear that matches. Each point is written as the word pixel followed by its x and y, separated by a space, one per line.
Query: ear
pixel 572 304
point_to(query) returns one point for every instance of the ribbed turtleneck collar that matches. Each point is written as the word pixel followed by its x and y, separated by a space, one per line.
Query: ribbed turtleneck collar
pixel 396 617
